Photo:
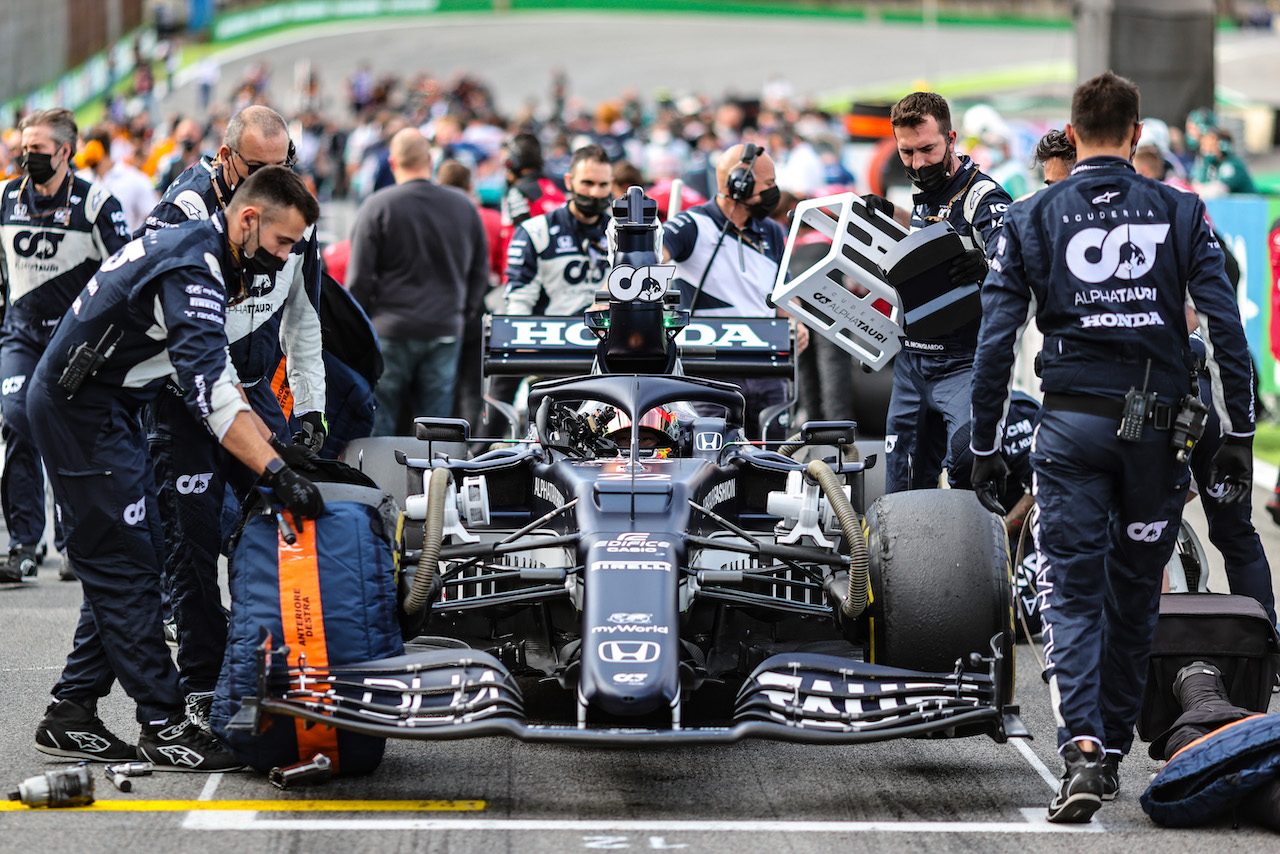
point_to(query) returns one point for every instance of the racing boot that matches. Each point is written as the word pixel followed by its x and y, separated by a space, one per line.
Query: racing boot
pixel 1081 792
pixel 199 707
pixel 180 745
pixel 22 564
pixel 72 731
pixel 1111 774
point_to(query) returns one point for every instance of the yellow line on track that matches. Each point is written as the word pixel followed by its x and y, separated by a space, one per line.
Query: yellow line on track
pixel 261 806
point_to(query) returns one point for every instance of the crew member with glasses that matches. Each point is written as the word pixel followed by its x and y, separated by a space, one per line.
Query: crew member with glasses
pixel 274 333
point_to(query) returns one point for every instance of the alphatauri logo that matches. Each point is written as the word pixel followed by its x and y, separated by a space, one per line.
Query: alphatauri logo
pixel 136 513
pixel 1126 252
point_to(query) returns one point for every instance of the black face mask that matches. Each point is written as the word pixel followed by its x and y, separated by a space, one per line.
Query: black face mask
pixel 39 166
pixel 589 207
pixel 261 262
pixel 189 145
pixel 769 199
pixel 931 177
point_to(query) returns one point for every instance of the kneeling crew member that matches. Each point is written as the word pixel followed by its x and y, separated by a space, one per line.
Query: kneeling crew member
pixel 154 314
pixel 1105 261
pixel 278 316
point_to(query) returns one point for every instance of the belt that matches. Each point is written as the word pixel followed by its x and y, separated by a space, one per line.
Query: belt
pixel 1161 415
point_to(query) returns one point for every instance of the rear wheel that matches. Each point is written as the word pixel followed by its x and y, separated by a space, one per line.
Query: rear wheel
pixel 940 582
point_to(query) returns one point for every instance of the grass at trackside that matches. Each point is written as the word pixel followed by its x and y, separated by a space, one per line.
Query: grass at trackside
pixel 1266 444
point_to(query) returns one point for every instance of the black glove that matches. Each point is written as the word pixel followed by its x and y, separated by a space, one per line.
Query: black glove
pixel 988 477
pixel 1232 467
pixel 295 493
pixel 878 203
pixel 298 457
pixel 968 268
pixel 313 432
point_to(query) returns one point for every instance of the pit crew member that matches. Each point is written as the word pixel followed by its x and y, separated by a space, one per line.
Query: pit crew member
pixel 727 252
pixel 55 229
pixel 1105 262
pixel 278 315
pixel 931 378
pixel 153 314
pixel 556 261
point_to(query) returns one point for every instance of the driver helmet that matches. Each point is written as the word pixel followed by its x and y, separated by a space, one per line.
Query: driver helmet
pixel 659 427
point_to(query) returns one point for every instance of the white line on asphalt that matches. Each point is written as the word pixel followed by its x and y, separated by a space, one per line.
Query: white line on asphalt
pixel 210 786
pixel 1034 822
pixel 1034 761
pixel 31 669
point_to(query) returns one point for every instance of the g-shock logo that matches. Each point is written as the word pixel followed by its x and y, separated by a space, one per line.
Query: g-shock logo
pixel 37 244
pixel 136 513
pixel 12 385
pixel 1146 532
pixel 1128 252
pixel 193 484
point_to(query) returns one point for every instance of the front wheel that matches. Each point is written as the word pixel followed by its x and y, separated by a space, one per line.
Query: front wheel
pixel 940 582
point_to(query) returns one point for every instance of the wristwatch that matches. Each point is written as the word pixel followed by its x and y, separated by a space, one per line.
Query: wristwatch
pixel 273 467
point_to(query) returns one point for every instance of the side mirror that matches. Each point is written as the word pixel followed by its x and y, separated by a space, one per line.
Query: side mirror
pixel 442 429
pixel 828 432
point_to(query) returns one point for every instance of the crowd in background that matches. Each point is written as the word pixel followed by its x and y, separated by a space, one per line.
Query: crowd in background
pixel 342 136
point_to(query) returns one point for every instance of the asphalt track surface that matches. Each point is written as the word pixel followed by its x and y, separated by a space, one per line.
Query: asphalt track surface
pixel 496 795
pixel 491 795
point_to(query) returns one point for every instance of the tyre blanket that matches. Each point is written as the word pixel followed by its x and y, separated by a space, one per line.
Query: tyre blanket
pixel 330 597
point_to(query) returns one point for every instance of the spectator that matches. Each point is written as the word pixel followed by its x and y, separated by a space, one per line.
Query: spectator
pixel 1218 171
pixel 127 183
pixel 467 400
pixel 419 269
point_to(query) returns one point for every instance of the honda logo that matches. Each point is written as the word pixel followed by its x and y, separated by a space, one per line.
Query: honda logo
pixel 629 652
pixel 708 441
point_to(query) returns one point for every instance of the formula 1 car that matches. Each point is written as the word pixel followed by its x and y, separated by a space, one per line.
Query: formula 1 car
pixel 637 570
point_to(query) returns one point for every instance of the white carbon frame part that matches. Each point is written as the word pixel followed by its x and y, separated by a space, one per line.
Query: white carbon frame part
pixel 859 240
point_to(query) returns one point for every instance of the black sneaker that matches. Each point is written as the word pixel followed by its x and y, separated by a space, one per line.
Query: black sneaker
pixel 1081 792
pixel 22 565
pixel 1111 775
pixel 199 708
pixel 181 746
pixel 71 730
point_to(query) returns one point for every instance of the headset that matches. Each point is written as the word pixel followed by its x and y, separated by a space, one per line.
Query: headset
pixel 742 183
pixel 523 153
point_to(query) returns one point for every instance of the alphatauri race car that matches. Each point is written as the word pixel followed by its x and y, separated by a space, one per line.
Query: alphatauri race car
pixel 636 570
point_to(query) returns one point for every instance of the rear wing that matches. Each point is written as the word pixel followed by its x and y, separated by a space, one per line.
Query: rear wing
pixel 709 347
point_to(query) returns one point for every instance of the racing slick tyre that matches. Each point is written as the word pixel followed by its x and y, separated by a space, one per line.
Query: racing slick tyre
pixel 940 582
